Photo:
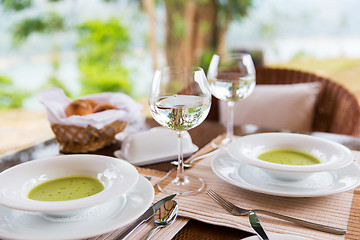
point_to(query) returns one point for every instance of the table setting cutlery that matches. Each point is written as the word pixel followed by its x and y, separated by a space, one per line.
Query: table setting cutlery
pixel 145 217
pixel 256 225
pixel 237 211
pixel 164 216
pixel 188 163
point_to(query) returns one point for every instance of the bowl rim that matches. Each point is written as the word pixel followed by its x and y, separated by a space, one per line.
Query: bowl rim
pixel 109 192
pixel 234 149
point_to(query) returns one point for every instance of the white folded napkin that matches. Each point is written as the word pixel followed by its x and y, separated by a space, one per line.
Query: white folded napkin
pixel 55 102
pixel 155 145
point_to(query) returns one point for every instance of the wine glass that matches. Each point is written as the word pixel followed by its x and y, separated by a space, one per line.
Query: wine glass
pixel 231 78
pixel 180 99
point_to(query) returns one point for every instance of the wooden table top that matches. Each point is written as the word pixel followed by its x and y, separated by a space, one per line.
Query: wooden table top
pixel 201 135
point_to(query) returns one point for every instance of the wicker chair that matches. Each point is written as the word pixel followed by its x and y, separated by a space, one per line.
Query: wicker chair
pixel 337 110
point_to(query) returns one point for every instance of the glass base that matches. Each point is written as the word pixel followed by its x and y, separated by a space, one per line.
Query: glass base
pixel 181 186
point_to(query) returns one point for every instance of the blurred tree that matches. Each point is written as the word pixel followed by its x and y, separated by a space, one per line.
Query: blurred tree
pixel 11 96
pixel 15 5
pixel 196 29
pixel 49 23
pixel 100 48
pixel 149 6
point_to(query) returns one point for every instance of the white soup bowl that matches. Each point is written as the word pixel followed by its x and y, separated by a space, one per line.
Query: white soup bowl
pixel 332 155
pixel 117 177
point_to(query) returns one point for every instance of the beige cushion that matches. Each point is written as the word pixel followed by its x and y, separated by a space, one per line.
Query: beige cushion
pixel 289 106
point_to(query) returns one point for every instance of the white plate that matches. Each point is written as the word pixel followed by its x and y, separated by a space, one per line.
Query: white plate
pixel 256 180
pixel 274 236
pixel 156 145
pixel 16 224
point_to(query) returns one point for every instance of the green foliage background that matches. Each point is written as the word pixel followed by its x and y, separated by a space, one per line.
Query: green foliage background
pixel 11 96
pixel 100 49
pixel 49 23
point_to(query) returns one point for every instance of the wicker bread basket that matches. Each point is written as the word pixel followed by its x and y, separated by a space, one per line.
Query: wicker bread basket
pixel 76 139
pixel 81 133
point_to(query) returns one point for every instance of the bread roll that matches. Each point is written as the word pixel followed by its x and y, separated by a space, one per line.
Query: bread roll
pixel 92 102
pixel 79 107
pixel 104 107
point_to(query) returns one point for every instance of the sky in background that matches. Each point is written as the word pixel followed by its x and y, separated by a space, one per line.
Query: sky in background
pixel 282 29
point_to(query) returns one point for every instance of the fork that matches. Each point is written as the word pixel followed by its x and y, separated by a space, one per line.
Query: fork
pixel 237 211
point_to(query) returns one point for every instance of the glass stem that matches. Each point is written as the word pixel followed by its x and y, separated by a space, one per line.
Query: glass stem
pixel 230 121
pixel 180 168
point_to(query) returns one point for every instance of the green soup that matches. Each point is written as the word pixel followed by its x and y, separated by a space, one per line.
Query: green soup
pixel 66 188
pixel 288 157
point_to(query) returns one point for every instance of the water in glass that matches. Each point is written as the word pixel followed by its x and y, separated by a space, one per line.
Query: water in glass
pixel 231 78
pixel 180 100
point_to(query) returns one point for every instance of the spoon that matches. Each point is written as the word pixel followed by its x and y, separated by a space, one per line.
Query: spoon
pixel 164 216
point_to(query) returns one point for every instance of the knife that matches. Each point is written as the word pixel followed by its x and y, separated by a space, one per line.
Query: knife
pixel 256 225
pixel 146 216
